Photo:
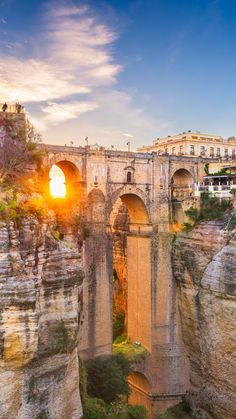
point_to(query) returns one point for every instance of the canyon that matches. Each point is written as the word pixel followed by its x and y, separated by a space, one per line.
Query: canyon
pixel 110 248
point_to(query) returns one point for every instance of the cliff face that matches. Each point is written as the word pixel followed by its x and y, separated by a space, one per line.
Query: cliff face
pixel 204 262
pixel 40 280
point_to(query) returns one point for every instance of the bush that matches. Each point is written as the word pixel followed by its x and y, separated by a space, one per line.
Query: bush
pixel 187 226
pixel 121 410
pixel 211 209
pixel 192 213
pixel 107 377
pixel 134 352
pixel 94 409
pixel 137 412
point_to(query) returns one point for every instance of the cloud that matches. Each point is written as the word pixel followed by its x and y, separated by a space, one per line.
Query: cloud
pixel 127 135
pixel 35 81
pixel 74 59
pixel 56 112
pixel 3 21
pixel 69 72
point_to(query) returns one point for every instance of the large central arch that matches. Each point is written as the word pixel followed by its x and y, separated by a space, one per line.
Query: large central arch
pixel 132 264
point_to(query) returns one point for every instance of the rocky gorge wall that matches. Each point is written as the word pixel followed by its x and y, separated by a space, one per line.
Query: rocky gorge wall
pixel 204 264
pixel 40 285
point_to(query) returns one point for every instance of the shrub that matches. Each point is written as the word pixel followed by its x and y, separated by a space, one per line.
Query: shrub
pixel 192 213
pixel 107 377
pixel 206 168
pixel 120 339
pixel 121 410
pixel 187 226
pixel 137 412
pixel 211 209
pixel 134 352
pixel 94 409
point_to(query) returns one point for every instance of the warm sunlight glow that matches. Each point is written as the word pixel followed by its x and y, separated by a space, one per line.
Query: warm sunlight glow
pixel 57 182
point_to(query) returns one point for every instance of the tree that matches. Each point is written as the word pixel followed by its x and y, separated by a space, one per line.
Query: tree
pixel 107 377
pixel 18 148
pixel 206 168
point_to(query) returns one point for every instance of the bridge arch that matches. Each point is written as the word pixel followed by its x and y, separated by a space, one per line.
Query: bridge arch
pixel 72 178
pixel 182 176
pixel 182 184
pixel 135 201
pixel 140 389
pixel 131 236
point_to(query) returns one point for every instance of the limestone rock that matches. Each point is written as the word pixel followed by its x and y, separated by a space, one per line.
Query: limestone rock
pixel 40 281
pixel 204 262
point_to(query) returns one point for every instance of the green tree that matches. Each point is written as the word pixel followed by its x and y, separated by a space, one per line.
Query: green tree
pixel 206 168
pixel 192 213
pixel 94 409
pixel 107 377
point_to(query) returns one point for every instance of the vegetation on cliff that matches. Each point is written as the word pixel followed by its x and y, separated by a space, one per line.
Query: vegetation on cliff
pixel 105 389
pixel 211 208
pixel 133 351
pixel 18 149
pixel 19 157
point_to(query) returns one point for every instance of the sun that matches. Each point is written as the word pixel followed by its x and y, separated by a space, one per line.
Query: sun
pixel 57 182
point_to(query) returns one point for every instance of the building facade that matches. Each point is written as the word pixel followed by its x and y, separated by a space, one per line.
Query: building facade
pixel 194 144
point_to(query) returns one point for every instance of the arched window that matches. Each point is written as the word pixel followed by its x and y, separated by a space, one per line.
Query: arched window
pixel 129 177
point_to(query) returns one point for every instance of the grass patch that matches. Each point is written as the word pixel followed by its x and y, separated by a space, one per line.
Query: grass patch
pixel 134 352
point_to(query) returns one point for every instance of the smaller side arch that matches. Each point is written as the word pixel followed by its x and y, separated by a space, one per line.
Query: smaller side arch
pixel 182 184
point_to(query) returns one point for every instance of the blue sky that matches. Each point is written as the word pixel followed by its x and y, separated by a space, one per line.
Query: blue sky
pixel 119 71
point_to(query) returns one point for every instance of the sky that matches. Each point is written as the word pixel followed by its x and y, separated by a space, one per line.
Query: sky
pixel 119 71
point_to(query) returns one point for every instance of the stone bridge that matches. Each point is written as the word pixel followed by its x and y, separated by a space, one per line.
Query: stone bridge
pixel 101 180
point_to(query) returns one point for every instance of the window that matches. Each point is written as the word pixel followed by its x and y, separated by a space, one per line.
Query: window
pixel 129 177
pixel 218 152
pixel 192 152
pixel 226 152
pixel 173 150
pixel 181 148
pixel 233 152
pixel 211 151
pixel 202 150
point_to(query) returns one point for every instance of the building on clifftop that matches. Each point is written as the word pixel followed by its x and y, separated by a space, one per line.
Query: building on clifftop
pixel 194 144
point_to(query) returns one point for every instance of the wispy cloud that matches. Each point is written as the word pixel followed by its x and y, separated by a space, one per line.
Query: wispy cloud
pixel 68 72
pixel 58 112
pixel 74 59
pixel 127 135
